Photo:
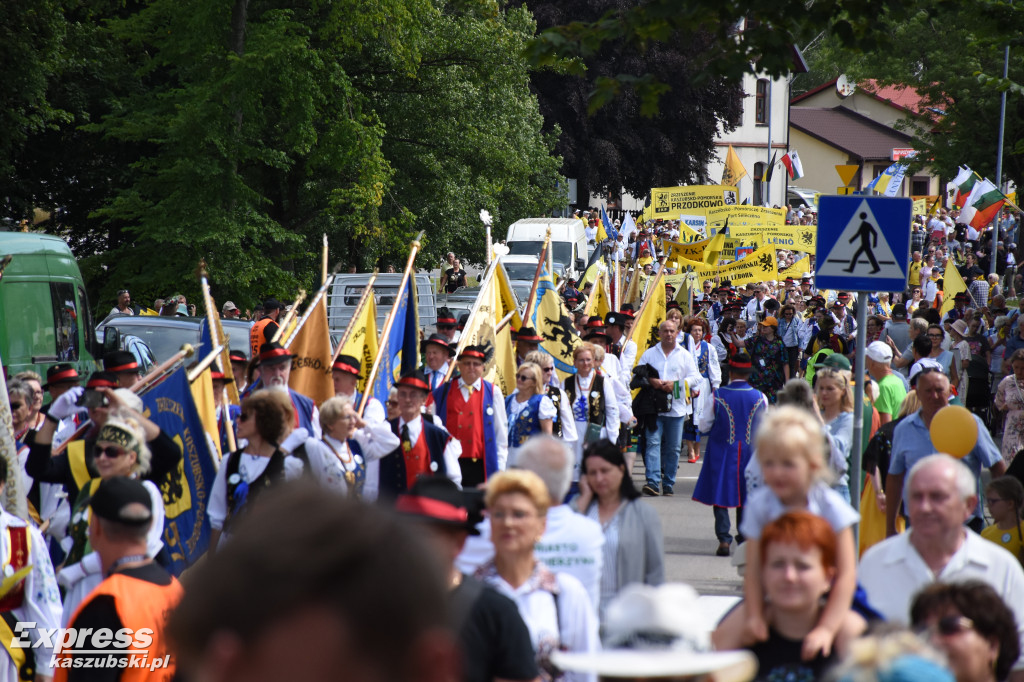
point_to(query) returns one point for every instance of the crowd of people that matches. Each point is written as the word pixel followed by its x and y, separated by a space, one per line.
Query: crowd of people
pixel 513 521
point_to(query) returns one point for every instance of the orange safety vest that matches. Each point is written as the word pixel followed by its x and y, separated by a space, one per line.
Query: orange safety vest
pixel 258 336
pixel 140 604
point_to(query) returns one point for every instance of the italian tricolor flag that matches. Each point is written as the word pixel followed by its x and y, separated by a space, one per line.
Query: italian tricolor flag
pixel 793 166
pixel 987 202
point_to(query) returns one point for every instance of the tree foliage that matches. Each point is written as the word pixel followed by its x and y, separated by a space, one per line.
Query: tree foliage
pixel 239 131
pixel 619 144
pixel 953 56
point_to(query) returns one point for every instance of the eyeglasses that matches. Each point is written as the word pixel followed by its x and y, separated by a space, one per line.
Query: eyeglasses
pixel 524 377
pixel 244 416
pixel 549 369
pixel 122 291
pixel 993 500
pixel 949 626
pixel 110 452
pixel 392 403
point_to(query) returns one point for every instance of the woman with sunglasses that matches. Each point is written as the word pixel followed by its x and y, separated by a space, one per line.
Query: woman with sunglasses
pixel 247 473
pixel 915 301
pixel 970 623
pixel 936 334
pixel 530 411
pixel 120 450
pixel 563 426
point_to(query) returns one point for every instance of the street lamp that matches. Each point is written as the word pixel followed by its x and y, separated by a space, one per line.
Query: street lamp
pixel 485 217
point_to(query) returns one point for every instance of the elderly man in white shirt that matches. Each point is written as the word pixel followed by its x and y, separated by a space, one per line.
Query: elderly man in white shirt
pixel 676 369
pixel 938 548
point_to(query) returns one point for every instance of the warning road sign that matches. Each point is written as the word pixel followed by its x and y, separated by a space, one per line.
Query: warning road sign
pixel 863 243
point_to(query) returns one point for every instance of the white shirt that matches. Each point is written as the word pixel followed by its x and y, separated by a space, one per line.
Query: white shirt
pixel 613 372
pixel 611 406
pixel 373 415
pixel 435 377
pixel 571 544
pixel 574 624
pixel 500 419
pixel 892 573
pixel 41 603
pixel 249 469
pixel 679 366
pixel 452 450
pixel 627 361
pixel 754 307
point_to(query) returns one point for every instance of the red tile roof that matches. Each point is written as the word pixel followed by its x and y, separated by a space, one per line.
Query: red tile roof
pixel 848 131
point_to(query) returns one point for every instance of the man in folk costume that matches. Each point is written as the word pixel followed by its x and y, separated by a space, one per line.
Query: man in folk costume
pixel 425 449
pixel 527 341
pixel 625 351
pixel 730 425
pixel 239 365
pixel 447 325
pixel 437 355
pixel 275 364
pixel 473 410
pixel 28 594
pixel 124 365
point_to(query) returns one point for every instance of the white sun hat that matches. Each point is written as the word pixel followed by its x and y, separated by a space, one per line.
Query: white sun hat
pixel 657 632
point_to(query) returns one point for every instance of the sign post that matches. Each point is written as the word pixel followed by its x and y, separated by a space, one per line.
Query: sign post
pixel 863 246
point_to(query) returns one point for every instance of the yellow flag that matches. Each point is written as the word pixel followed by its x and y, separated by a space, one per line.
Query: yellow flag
pixel 797 269
pixel 733 170
pixel 633 289
pixel 599 303
pixel 952 284
pixel 311 366
pixel 920 206
pixel 495 301
pixel 202 396
pixel 714 247
pixel 650 317
pixel 553 321
pixel 362 342
pixel 602 234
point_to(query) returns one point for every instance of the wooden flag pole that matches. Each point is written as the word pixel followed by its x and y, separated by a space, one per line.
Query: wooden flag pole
pixel 531 300
pixel 217 335
pixel 321 292
pixel 464 339
pixel 203 364
pixel 372 376
pixel 367 292
pixel 289 316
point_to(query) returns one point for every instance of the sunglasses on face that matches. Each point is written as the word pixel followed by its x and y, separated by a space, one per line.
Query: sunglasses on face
pixel 110 452
pixel 17 406
pixel 951 625
pixel 523 377
pixel 244 416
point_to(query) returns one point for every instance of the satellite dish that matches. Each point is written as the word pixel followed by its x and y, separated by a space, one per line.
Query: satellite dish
pixel 844 86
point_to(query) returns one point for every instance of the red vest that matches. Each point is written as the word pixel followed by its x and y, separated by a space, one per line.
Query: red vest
pixel 417 460
pixel 465 421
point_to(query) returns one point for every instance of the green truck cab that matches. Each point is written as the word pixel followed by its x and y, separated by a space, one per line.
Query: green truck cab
pixel 44 311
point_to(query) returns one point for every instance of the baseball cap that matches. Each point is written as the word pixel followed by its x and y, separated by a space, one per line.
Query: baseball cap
pixel 230 305
pixel 117 499
pixel 835 361
pixel 924 365
pixel 879 351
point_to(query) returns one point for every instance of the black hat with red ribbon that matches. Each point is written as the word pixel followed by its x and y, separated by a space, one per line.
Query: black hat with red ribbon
pixel 415 379
pixel 273 353
pixel 346 364
pixel 438 340
pixel 118 361
pixel 63 373
pixel 438 500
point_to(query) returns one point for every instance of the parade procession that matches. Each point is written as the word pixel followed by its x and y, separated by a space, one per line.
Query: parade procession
pixel 542 341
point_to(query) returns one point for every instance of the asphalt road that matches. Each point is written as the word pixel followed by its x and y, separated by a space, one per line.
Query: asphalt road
pixel 689 532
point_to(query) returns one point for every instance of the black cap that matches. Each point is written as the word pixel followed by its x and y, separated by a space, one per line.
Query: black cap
pixel 237 356
pixel 347 364
pixel 272 304
pixel 438 500
pixel 615 320
pixel 273 353
pixel 415 378
pixel 437 340
pixel 120 361
pixel 62 373
pixel 115 498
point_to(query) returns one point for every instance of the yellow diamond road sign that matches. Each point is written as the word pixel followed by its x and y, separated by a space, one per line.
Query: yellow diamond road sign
pixel 846 172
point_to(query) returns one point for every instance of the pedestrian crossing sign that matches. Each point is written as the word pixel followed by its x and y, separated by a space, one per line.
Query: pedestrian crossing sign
pixel 863 243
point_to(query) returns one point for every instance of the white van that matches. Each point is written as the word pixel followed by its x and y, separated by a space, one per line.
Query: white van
pixel 348 287
pixel 568 241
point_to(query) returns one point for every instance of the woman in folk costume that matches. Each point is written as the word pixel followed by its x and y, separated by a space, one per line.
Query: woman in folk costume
pixel 594 407
pixel 120 450
pixel 353 441
pixel 247 473
pixel 530 411
pixel 709 366
pixel 730 427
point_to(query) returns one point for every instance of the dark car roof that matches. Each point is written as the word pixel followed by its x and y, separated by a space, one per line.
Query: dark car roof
pixel 165 335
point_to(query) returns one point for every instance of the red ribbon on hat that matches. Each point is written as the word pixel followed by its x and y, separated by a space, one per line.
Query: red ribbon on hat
pixel 124 368
pixel 101 383
pixel 346 367
pixel 414 382
pixel 71 373
pixel 435 509
pixel 472 354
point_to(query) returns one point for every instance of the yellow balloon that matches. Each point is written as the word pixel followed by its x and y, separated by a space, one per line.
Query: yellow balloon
pixel 954 431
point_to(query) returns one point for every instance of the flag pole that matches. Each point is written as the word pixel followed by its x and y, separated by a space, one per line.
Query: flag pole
pixel 217 335
pixel 289 316
pixel 321 292
pixel 204 364
pixel 464 339
pixel 647 299
pixel 531 300
pixel 367 292
pixel 414 248
pixel 14 498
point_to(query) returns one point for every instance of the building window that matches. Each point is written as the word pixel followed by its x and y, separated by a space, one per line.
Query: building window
pixel 919 186
pixel 761 102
